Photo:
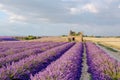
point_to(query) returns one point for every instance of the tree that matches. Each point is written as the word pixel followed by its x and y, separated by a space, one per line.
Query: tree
pixel 72 33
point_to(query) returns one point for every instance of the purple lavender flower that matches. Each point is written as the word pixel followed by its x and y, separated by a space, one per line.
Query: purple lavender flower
pixel 101 65
pixel 67 67
pixel 32 64
pixel 16 57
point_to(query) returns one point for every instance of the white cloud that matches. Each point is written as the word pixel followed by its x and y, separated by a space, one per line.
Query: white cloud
pixel 74 10
pixel 99 12
pixel 1 6
pixel 12 16
pixel 84 9
pixel 90 8
pixel 119 6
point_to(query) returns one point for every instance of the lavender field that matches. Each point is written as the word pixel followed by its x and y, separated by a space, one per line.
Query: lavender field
pixel 59 39
pixel 23 60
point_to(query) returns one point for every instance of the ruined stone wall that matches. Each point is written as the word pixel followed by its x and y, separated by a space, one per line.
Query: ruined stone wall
pixel 76 38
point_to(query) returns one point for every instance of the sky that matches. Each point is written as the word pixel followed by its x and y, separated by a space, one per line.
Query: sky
pixel 58 17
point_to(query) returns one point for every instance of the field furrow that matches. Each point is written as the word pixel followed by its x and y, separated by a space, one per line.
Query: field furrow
pixel 67 67
pixel 32 64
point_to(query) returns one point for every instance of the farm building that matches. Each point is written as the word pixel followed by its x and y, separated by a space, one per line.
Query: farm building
pixel 73 36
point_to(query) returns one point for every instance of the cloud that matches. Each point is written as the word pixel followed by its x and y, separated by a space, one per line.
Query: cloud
pixel 84 9
pixel 90 8
pixel 74 10
pixel 12 16
pixel 99 13
pixel 62 11
pixel 118 6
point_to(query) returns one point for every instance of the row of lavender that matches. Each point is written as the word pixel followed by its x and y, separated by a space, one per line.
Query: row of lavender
pixel 101 65
pixel 7 38
pixel 9 48
pixel 67 67
pixel 21 55
pixel 57 64
pixel 33 63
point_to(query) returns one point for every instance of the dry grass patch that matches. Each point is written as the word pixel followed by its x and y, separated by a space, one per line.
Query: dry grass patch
pixel 54 39
pixel 111 42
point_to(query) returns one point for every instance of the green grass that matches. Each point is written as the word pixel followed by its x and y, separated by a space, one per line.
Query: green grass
pixel 109 48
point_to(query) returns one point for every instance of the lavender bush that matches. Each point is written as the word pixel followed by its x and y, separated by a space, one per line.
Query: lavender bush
pixel 32 64
pixel 7 38
pixel 67 67
pixel 101 65
pixel 16 57
pixel 20 47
